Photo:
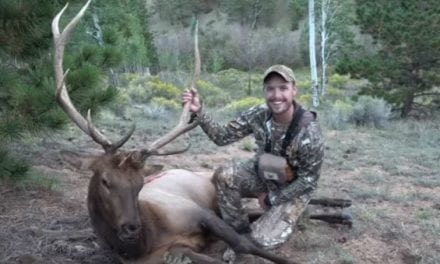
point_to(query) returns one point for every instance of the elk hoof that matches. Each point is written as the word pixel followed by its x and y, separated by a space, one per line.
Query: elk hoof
pixel 229 256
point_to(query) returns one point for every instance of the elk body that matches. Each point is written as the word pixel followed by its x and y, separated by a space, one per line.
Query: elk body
pixel 140 218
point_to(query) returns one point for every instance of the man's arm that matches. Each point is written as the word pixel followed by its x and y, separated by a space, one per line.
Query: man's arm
pixel 231 132
pixel 220 135
pixel 310 157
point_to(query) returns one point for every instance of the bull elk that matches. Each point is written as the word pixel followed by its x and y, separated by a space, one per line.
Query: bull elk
pixel 141 220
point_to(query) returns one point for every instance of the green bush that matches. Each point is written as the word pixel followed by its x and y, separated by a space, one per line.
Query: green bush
pixel 238 84
pixel 338 116
pixel 243 104
pixel 11 168
pixel 166 103
pixel 121 102
pixel 138 93
pixel 338 81
pixel 304 85
pixel 212 95
pixel 305 100
pixel 143 90
pixel 371 111
pixel 159 88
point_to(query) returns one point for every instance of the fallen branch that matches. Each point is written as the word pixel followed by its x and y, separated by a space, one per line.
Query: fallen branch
pixel 331 202
pixel 336 218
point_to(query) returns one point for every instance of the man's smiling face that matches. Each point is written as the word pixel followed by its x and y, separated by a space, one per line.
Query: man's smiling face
pixel 279 94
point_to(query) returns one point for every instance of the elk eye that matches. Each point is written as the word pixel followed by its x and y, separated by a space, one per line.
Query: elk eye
pixel 105 183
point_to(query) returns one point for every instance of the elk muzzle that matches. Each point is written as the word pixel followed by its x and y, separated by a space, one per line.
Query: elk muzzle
pixel 130 231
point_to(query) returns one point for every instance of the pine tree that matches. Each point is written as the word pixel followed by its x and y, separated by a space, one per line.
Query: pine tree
pixel 27 87
pixel 405 70
pixel 125 24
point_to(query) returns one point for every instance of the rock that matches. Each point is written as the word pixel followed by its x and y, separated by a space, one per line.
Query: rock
pixel 28 259
pixel 207 165
pixel 409 257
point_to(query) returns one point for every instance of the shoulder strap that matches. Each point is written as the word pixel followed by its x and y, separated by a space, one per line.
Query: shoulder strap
pixel 292 130
pixel 290 133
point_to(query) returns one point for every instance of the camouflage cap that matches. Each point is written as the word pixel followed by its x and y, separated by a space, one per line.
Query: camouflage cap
pixel 282 70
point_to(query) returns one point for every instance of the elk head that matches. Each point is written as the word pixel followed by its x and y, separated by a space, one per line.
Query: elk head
pixel 118 175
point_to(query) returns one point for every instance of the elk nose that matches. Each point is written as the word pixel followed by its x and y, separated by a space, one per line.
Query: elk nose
pixel 131 228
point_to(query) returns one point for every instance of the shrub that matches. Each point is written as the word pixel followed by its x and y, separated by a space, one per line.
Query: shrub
pixel 228 79
pixel 159 88
pixel 332 95
pixel 154 112
pixel 371 111
pixel 120 103
pixel 211 94
pixel 338 116
pixel 138 93
pixel 304 85
pixel 11 168
pixel 338 81
pixel 238 84
pixel 215 61
pixel 127 78
pixel 166 103
pixel 143 90
pixel 243 104
pixel 305 100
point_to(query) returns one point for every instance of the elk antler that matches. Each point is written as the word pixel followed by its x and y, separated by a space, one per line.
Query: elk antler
pixel 62 95
pixel 185 123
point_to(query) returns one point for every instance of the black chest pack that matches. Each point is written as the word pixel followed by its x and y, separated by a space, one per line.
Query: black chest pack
pixel 276 169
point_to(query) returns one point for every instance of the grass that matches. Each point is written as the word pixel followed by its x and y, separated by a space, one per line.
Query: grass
pixel 424 214
pixel 36 180
pixel 392 176
pixel 368 193
pixel 427 182
pixel 373 177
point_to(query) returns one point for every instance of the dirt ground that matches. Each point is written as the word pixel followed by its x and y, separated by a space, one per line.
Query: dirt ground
pixel 41 226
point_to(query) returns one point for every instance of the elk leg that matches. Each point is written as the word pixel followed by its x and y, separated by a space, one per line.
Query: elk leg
pixel 194 257
pixel 239 243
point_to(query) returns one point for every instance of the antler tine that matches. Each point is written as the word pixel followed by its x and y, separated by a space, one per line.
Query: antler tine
pixel 182 127
pixel 184 124
pixel 197 61
pixel 114 146
pixel 60 41
pixel 167 152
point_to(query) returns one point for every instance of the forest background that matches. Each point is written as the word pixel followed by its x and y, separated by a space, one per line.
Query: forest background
pixel 378 61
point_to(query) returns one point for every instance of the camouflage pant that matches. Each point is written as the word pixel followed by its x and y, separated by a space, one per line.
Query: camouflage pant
pixel 240 180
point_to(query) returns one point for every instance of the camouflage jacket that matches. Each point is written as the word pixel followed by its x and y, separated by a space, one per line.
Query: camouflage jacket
pixel 304 153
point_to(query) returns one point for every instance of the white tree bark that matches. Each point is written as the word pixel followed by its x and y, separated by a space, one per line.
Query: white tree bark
pixel 324 9
pixel 312 54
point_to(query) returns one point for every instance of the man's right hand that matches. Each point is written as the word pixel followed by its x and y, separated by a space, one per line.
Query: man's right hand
pixel 192 96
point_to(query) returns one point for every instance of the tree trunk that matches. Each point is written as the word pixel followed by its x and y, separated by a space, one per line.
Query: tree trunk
pixel 324 4
pixel 407 105
pixel 312 54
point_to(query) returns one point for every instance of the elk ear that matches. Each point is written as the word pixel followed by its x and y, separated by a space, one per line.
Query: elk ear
pixel 152 169
pixel 80 162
